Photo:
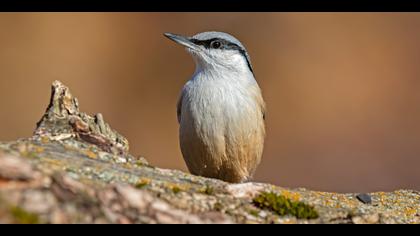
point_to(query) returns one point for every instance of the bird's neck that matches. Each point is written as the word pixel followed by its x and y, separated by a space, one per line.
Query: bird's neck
pixel 220 73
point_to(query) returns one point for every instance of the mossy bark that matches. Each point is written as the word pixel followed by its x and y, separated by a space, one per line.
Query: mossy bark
pixel 77 169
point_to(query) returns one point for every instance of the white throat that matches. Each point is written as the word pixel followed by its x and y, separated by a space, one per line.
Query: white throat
pixel 232 68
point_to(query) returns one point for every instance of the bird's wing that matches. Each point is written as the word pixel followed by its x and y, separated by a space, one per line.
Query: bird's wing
pixel 179 106
pixel 260 100
pixel 263 109
pixel 263 113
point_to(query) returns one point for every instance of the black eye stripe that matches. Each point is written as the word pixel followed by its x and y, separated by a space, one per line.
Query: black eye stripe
pixel 207 43
pixel 224 45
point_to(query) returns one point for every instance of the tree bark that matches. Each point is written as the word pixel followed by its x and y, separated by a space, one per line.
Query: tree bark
pixel 77 169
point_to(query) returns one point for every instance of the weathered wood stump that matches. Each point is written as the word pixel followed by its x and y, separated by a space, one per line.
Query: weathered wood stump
pixel 77 169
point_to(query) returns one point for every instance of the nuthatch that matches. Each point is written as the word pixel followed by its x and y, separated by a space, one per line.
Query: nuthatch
pixel 220 110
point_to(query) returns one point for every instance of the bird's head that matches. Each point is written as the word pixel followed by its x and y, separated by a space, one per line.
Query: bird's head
pixel 215 51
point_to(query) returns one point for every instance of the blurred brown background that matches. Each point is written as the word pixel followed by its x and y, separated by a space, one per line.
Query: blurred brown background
pixel 342 89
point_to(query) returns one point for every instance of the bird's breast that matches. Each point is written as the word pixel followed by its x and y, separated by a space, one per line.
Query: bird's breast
pixel 221 107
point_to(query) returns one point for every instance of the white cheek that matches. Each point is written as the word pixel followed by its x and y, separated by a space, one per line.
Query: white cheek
pixel 232 58
pixel 234 61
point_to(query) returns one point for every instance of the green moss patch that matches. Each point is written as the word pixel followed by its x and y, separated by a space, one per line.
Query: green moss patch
pixel 21 216
pixel 142 183
pixel 176 189
pixel 208 190
pixel 284 206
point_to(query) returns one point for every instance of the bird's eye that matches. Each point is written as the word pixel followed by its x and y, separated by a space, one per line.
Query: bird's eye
pixel 215 44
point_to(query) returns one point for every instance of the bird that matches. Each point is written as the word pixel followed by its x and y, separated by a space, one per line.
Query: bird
pixel 220 110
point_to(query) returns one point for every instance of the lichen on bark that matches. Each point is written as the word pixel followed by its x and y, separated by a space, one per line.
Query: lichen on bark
pixel 77 169
pixel 63 120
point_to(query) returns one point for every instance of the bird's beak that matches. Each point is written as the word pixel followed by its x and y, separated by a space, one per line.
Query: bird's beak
pixel 185 41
